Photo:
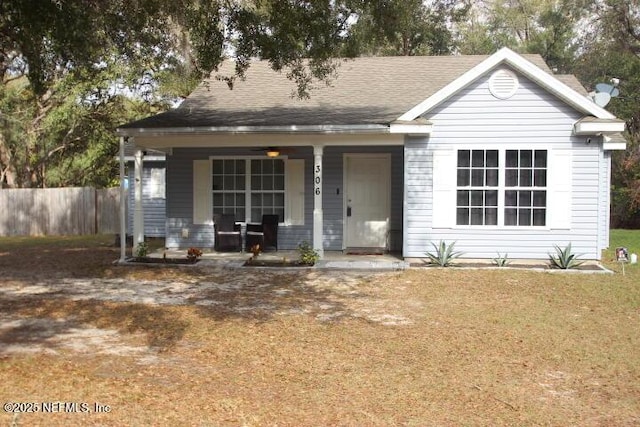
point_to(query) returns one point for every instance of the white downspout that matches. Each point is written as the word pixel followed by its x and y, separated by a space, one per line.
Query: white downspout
pixel 123 204
pixel 318 245
pixel 138 212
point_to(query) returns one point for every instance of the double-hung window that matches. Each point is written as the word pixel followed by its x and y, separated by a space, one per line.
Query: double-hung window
pixel 249 188
pixel 229 187
pixel 525 196
pixel 477 182
pixel 501 187
pixel 267 188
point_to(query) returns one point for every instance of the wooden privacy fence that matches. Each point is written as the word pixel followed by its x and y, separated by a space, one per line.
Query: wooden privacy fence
pixel 59 211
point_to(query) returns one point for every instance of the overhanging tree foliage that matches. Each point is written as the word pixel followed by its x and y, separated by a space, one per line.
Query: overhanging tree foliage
pixel 60 61
pixel 408 27
pixel 545 27
pixel 72 70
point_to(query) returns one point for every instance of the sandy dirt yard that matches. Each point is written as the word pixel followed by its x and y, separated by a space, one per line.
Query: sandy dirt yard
pixel 84 342
pixel 325 296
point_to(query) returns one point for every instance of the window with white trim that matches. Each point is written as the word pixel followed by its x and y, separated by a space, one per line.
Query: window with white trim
pixel 229 187
pixel 477 182
pixel 525 196
pixel 501 187
pixel 156 183
pixel 267 188
pixel 249 188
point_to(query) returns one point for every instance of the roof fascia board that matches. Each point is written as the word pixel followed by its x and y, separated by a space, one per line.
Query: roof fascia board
pixel 594 127
pixel 530 70
pixel 280 140
pixel 322 129
pixel 411 129
pixel 452 87
pixel 614 142
pixel 146 158
pixel 556 87
pixel 608 146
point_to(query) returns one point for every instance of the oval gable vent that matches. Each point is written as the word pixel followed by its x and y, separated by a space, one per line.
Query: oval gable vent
pixel 503 84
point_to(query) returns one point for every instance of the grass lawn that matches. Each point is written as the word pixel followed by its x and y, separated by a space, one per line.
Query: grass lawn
pixel 420 347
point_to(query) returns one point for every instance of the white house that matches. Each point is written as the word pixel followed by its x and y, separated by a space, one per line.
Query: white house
pixel 493 152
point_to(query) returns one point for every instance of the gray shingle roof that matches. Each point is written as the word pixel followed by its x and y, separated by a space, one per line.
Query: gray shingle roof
pixel 572 81
pixel 367 91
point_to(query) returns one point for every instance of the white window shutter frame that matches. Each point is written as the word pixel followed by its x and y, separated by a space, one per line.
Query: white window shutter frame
pixel 157 179
pixel 444 189
pixel 202 192
pixel 295 192
pixel 559 182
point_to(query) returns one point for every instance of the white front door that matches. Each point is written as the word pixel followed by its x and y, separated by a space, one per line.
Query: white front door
pixel 367 200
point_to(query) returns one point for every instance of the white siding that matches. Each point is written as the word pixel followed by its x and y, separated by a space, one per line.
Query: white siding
pixel 605 200
pixel 531 119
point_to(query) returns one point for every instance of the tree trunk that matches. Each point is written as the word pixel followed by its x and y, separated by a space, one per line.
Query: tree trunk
pixel 8 173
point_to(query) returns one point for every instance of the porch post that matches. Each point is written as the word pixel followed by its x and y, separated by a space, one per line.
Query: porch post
pixel 317 200
pixel 138 212
pixel 123 204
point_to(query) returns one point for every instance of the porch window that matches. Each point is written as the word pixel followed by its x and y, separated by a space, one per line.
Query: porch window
pixel 229 187
pixel 267 188
pixel 248 188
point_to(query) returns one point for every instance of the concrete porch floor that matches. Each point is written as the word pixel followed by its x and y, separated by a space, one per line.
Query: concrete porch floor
pixel 331 259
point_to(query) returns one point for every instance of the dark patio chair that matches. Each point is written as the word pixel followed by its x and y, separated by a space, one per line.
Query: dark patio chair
pixel 264 234
pixel 270 230
pixel 228 236
pixel 254 237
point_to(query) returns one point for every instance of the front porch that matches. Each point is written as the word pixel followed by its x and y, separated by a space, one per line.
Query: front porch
pixel 351 204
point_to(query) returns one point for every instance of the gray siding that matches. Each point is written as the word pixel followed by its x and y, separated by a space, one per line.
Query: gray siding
pixel 532 118
pixel 154 208
pixel 180 196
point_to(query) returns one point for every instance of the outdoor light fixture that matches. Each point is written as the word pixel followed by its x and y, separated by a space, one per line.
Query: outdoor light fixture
pixel 272 152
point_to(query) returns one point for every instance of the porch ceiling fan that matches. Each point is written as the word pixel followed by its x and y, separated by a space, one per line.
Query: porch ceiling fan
pixel 275 151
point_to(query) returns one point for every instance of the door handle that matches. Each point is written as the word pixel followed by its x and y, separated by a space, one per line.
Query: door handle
pixel 348 210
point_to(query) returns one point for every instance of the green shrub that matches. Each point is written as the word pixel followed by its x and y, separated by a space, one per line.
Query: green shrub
pixel 308 255
pixel 142 250
pixel 564 258
pixel 501 261
pixel 443 255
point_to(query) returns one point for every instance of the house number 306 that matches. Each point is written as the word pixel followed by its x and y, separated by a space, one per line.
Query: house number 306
pixel 317 180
